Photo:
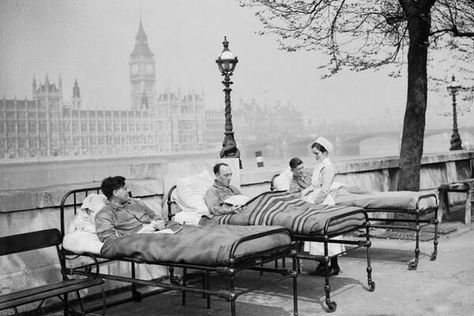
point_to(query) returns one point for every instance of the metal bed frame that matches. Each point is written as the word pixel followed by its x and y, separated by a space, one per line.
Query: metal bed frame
pixel 325 238
pixel 418 222
pixel 184 283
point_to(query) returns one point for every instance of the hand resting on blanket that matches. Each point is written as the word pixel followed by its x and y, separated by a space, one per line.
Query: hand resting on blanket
pixel 155 225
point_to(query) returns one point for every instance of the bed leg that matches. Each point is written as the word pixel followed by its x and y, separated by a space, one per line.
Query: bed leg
pixel 294 274
pixel 232 293
pixel 330 305
pixel 104 303
pixel 207 286
pixel 136 295
pixel 413 264
pixel 183 293
pixel 435 241
pixel 370 282
pixel 65 299
pixel 299 249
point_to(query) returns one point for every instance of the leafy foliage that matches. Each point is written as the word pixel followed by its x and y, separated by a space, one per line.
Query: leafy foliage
pixel 357 34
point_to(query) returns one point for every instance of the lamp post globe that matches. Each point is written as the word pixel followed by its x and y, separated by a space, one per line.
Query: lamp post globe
pixel 453 88
pixel 226 63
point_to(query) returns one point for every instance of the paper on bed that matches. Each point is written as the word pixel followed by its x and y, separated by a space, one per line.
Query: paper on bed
pixel 237 200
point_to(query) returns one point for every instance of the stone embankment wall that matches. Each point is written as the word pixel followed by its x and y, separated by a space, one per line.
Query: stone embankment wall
pixel 38 208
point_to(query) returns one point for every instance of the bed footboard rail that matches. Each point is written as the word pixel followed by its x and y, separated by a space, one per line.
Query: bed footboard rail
pixel 424 214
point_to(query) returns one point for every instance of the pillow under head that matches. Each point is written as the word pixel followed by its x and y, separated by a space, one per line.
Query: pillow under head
pixel 190 192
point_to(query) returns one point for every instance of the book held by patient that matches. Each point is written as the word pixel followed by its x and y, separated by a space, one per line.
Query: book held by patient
pixel 237 200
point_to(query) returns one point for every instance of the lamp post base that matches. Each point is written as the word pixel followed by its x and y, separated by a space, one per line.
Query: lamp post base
pixel 456 143
pixel 229 148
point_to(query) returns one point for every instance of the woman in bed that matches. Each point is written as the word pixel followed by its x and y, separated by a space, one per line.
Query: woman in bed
pixel 319 193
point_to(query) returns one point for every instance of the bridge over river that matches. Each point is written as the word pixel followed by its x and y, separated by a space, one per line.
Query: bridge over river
pixel 371 144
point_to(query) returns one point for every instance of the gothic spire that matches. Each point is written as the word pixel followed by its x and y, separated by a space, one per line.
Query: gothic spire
pixel 141 43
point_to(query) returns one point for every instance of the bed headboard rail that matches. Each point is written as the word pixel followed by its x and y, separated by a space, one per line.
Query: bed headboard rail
pixel 74 200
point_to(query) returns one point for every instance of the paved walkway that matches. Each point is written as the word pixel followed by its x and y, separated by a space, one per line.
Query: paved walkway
pixel 441 287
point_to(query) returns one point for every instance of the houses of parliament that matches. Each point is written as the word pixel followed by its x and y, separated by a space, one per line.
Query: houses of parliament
pixel 49 126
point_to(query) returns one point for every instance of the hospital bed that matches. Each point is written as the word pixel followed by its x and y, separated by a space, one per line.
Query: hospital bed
pixel 222 250
pixel 307 222
pixel 401 210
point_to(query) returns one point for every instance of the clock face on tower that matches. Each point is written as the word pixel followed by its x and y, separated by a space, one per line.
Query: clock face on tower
pixel 150 69
pixel 134 69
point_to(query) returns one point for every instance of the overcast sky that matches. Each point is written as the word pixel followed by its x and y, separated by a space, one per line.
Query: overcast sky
pixel 92 41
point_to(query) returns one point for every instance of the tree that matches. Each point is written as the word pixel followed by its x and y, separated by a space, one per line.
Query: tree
pixel 369 34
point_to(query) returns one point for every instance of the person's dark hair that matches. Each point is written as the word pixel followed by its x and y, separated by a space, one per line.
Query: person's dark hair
pixel 295 162
pixel 217 167
pixel 319 147
pixel 110 184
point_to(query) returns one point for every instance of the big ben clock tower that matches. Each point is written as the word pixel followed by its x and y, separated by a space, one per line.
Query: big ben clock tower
pixel 142 73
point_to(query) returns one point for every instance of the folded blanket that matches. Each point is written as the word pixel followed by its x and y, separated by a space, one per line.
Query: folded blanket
pixel 205 245
pixel 288 210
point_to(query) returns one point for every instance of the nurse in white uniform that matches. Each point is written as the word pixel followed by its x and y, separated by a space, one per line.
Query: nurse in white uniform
pixel 319 193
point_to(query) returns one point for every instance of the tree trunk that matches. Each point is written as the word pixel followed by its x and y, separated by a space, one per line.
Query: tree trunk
pixel 411 151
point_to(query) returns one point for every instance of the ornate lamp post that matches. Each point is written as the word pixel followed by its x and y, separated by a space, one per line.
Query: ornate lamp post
pixel 226 63
pixel 456 143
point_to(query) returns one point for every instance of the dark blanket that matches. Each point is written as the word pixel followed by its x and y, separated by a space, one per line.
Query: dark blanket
pixel 288 210
pixel 203 245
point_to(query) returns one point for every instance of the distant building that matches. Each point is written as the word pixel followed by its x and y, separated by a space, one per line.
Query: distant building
pixel 48 126
pixel 257 126
pixel 254 122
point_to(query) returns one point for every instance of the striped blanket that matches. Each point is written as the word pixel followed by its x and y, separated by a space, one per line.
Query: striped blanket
pixel 302 218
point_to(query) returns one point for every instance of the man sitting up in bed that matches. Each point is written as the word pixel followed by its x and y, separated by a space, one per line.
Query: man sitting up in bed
pixel 123 215
pixel 301 178
pixel 220 191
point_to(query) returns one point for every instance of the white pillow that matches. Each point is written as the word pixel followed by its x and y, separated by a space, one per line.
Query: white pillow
pixel 283 180
pixel 82 242
pixel 84 220
pixel 190 192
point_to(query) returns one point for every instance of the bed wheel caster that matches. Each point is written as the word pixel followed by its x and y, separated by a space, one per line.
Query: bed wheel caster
pixel 331 306
pixel 433 256
pixel 412 265
pixel 137 296
pixel 371 286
